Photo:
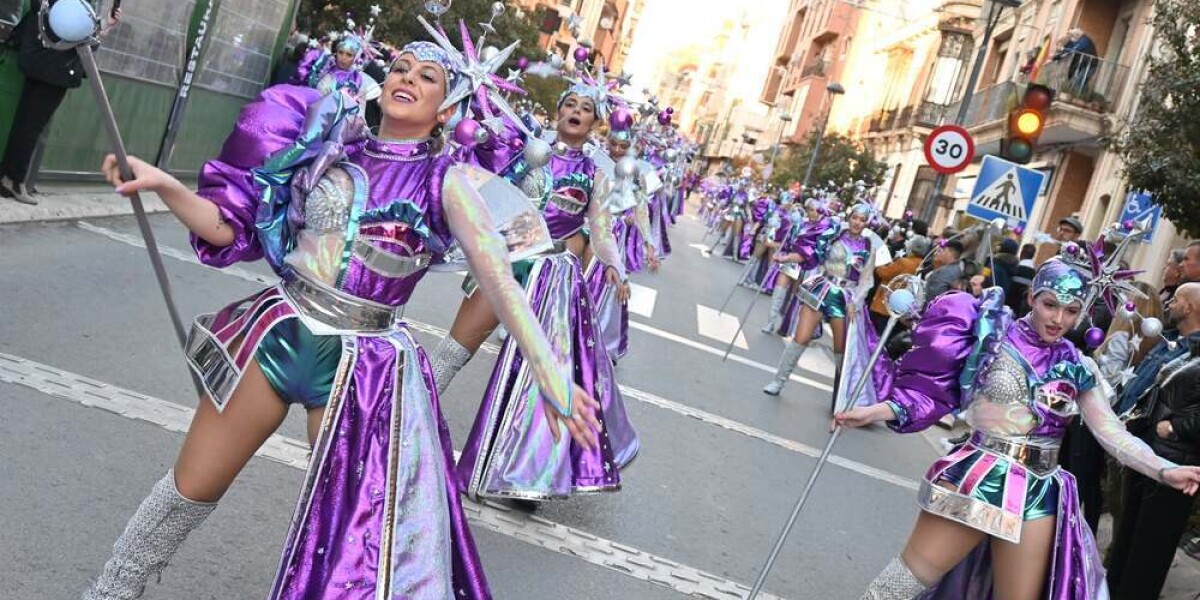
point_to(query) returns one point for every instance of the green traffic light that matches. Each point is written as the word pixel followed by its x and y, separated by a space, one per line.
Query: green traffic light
pixel 1019 150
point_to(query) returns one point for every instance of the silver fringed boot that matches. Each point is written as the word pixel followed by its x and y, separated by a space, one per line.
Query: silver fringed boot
pixel 778 298
pixel 895 582
pixel 156 531
pixel 787 363
pixel 448 359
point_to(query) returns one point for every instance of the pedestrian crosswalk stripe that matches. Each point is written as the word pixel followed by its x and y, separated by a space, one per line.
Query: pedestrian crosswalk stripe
pixel 719 326
pixel 642 300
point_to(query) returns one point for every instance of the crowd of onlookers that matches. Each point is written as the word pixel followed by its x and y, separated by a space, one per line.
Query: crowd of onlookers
pixel 1156 382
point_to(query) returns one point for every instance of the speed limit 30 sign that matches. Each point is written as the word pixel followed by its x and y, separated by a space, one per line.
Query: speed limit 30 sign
pixel 949 149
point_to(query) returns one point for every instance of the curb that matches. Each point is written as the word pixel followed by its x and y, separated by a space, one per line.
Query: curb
pixel 69 204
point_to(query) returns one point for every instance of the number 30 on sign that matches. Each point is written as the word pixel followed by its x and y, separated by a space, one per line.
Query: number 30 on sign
pixel 949 149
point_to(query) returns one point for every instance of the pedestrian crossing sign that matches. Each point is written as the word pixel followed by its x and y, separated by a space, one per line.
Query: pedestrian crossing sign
pixel 1005 189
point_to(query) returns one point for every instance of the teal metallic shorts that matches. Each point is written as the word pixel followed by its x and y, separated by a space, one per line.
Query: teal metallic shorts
pixel 821 295
pixel 1041 496
pixel 299 365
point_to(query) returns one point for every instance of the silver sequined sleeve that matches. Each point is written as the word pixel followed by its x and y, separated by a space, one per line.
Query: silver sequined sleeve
pixel 1095 407
pixel 487 255
pixel 604 245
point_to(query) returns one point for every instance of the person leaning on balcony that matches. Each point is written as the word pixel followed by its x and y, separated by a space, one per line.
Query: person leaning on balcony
pixel 1080 52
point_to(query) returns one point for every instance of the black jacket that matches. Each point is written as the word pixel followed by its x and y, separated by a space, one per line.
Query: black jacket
pixel 60 68
pixel 1178 401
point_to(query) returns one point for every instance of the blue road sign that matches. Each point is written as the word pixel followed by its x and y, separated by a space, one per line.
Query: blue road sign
pixel 1139 207
pixel 1005 189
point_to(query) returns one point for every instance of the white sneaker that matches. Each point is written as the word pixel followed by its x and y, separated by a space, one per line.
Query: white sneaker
pixel 17 191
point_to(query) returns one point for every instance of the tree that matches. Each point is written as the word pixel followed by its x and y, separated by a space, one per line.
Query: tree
pixel 1161 146
pixel 841 160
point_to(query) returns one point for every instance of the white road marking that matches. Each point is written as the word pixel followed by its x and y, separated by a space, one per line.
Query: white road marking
pixel 704 251
pixel 719 326
pixel 519 525
pixel 642 300
pixel 630 392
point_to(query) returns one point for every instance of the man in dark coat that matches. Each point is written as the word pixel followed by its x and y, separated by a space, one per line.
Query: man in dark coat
pixel 48 76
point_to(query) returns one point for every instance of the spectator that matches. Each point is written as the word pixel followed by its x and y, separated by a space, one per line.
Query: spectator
pixel 48 75
pixel 947 269
pixel 1004 266
pixel 1117 356
pixel 1021 280
pixel 1154 516
pixel 914 252
pixel 1172 274
pixel 1080 53
pixel 920 228
pixel 297 46
pixel 1069 230
pixel 1189 268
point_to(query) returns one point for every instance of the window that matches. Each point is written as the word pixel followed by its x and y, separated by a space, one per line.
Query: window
pixel 239 59
pixel 149 44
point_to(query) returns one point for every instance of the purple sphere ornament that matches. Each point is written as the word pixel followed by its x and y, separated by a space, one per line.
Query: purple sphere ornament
pixel 664 118
pixel 466 131
pixel 620 120
pixel 581 54
pixel 522 63
pixel 1071 248
pixel 1127 225
pixel 942 243
pixel 1019 229
pixel 670 110
pixel 1093 337
pixel 1130 306
pixel 908 215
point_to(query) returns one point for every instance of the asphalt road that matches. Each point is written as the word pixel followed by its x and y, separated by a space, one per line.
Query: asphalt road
pixel 720 467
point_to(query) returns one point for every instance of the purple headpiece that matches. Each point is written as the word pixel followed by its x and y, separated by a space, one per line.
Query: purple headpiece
pixel 1067 283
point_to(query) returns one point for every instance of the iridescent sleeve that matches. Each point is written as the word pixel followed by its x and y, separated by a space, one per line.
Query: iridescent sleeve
pixel 304 68
pixel 641 220
pixel 1096 409
pixel 924 385
pixel 604 245
pixel 487 255
pixel 268 124
pixel 813 241
pixel 1115 358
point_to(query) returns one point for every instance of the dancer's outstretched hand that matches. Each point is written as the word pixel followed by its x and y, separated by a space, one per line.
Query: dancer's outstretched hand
pixel 862 415
pixel 1184 479
pixel 147 177
pixel 583 424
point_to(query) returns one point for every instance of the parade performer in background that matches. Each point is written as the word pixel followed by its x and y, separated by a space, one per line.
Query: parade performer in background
pixel 767 219
pixel 500 460
pixel 342 68
pixel 350 222
pixel 846 252
pixel 814 215
pixel 999 517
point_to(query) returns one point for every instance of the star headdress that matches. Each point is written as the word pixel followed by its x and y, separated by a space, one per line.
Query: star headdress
pixel 596 86
pixel 1109 280
pixel 472 77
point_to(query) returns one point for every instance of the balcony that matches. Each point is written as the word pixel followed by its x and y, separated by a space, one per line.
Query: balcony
pixel 817 68
pixel 925 114
pixel 1084 81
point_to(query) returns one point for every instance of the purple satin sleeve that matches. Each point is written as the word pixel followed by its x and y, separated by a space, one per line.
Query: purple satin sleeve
pixel 266 125
pixel 923 386
pixel 305 66
pixel 810 241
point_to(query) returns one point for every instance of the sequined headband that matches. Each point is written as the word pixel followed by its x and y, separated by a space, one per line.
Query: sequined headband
pixel 583 91
pixel 1066 283
pixel 431 52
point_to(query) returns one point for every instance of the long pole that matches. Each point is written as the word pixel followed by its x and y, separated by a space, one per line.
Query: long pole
pixel 825 453
pixel 935 192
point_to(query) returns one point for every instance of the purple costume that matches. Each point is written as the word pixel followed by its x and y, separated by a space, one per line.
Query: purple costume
pixel 350 225
pixel 1018 393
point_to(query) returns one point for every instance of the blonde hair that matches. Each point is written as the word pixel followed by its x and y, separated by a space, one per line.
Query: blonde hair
pixel 1150 306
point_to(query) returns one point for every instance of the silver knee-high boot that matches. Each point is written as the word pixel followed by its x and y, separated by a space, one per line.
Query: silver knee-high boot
pixel 448 359
pixel 778 298
pixel 157 529
pixel 787 363
pixel 895 582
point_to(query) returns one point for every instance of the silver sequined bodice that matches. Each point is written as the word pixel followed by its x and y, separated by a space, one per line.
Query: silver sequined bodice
pixel 837 262
pixel 327 208
pixel 1005 405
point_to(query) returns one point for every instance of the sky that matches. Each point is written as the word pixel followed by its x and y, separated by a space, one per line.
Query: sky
pixel 667 25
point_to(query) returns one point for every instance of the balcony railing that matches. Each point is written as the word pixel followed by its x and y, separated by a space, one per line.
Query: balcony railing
pixel 989 104
pixel 925 114
pixel 1084 80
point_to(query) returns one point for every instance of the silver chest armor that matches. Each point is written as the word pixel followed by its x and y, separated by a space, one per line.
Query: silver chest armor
pixel 327 207
pixel 1007 383
pixel 837 261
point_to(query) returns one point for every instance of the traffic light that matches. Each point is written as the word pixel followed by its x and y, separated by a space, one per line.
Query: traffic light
pixel 1025 124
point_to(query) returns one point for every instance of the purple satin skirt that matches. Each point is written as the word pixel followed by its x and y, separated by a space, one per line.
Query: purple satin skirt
pixel 379 514
pixel 511 452
pixel 612 317
pixel 1076 571
pixel 629 239
pixel 658 224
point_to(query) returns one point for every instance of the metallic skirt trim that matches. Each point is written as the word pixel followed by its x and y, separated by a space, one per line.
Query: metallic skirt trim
pixel 1041 460
pixel 338 311
pixel 976 514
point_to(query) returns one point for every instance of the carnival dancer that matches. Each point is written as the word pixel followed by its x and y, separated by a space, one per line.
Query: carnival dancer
pixel 766 217
pixel 342 68
pixel 846 252
pixel 729 240
pixel 782 277
pixel 999 518
pixel 350 222
pixel 498 460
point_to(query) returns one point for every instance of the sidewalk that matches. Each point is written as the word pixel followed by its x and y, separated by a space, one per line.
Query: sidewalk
pixel 65 201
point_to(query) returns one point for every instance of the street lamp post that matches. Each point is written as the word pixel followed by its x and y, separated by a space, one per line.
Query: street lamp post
pixel 996 8
pixel 834 89
pixel 784 119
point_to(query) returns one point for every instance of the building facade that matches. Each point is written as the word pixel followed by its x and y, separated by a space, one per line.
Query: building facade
pixel 604 25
